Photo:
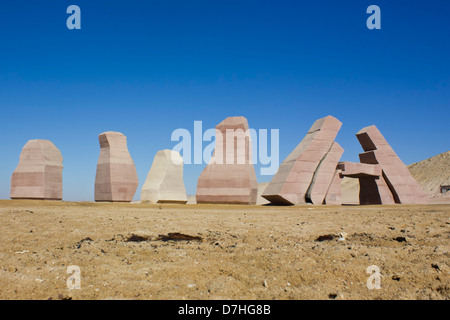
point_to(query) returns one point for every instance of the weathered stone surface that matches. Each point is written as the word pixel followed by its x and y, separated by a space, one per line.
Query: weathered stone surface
pixel 324 175
pixel 164 182
pixel 373 187
pixel 39 172
pixel 295 174
pixel 358 170
pixel 374 190
pixel 403 186
pixel 116 179
pixel 230 176
pixel 334 193
pixel 260 200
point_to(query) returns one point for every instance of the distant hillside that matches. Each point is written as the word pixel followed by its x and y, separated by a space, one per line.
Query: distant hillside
pixel 432 172
pixel 429 173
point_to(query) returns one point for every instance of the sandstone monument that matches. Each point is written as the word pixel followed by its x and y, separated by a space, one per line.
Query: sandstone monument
pixel 39 172
pixel 403 187
pixel 230 176
pixel 334 193
pixel 312 172
pixel 324 175
pixel 261 187
pixel 116 179
pixel 433 175
pixel 306 174
pixel 373 187
pixel 165 179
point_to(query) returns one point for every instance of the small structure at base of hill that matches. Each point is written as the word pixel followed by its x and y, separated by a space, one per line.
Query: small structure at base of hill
pixel 444 189
pixel 312 172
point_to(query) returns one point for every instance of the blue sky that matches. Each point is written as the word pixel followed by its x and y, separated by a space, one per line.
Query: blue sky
pixel 146 68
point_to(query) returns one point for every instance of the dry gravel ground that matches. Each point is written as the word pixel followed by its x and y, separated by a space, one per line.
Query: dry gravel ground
pixel 247 252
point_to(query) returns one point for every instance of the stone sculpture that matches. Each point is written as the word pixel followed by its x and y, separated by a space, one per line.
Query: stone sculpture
pixel 372 186
pixel 311 173
pixel 358 170
pixel 165 179
pixel 116 179
pixel 229 176
pixel 404 188
pixel 324 175
pixel 334 192
pixel 39 172
pixel 295 176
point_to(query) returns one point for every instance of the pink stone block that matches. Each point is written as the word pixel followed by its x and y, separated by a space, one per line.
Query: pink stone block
pixel 324 175
pixel 404 188
pixel 116 179
pixel 334 193
pixel 229 177
pixel 39 172
pixel 290 184
pixel 357 170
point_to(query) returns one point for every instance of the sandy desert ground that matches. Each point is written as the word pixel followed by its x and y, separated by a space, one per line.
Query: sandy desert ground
pixel 245 252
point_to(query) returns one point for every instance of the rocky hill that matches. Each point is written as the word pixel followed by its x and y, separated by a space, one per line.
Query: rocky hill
pixel 432 172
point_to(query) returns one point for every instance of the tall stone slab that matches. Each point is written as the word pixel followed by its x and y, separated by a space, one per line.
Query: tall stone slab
pixel 334 192
pixel 324 175
pixel 39 172
pixel 164 182
pixel 295 174
pixel 404 188
pixel 229 177
pixel 116 179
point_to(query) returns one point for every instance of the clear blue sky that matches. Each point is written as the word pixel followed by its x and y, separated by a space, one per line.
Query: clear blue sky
pixel 146 68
